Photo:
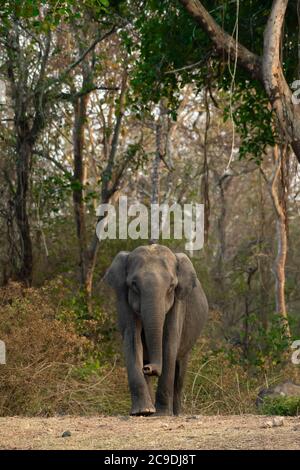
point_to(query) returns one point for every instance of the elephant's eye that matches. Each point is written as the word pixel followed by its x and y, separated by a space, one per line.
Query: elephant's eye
pixel 134 287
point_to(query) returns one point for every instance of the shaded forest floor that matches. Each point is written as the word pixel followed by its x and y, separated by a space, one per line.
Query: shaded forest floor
pixel 185 432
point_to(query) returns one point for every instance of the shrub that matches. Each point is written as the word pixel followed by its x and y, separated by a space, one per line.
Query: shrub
pixel 51 368
pixel 282 406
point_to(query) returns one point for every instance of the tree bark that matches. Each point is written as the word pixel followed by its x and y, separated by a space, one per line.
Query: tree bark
pixel 205 177
pixel 24 151
pixel 277 89
pixel 277 193
pixel 80 108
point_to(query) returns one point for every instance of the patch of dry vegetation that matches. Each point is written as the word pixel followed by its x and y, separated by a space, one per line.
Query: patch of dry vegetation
pixel 46 371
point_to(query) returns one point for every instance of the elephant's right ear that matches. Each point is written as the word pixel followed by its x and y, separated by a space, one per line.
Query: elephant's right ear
pixel 115 276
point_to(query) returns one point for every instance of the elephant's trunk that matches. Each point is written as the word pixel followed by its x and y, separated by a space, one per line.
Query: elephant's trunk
pixel 153 322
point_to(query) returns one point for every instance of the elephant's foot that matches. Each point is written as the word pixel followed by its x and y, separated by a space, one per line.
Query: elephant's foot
pixel 163 411
pixel 142 410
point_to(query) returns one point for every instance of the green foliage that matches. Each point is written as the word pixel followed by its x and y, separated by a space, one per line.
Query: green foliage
pixel 171 40
pixel 281 406
pixel 253 120
pixel 264 347
pixel 46 14
pixel 168 41
pixel 50 192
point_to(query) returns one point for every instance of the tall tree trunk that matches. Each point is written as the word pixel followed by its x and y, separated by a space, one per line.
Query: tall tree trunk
pixel 155 167
pixel 278 197
pixel 277 192
pixel 88 252
pixel 263 269
pixel 155 174
pixel 246 340
pixel 219 270
pixel 205 177
pixel 80 107
pixel 24 151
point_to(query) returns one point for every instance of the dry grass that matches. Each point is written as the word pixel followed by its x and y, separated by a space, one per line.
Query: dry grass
pixel 46 371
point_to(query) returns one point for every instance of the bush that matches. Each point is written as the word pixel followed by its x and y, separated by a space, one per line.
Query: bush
pixel 51 368
pixel 282 406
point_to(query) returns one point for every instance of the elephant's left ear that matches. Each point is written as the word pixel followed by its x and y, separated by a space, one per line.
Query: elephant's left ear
pixel 186 276
pixel 115 276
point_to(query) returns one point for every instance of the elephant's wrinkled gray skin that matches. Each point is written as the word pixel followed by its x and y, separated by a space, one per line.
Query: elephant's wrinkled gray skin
pixel 161 311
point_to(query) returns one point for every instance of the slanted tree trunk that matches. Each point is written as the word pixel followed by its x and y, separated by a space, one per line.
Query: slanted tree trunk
pixel 267 69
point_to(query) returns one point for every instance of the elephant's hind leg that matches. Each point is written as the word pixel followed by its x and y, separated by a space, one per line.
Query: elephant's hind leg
pixel 180 370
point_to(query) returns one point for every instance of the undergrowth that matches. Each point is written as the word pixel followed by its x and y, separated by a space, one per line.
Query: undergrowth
pixel 58 362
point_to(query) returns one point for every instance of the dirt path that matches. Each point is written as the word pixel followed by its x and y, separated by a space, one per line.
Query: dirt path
pixel 186 432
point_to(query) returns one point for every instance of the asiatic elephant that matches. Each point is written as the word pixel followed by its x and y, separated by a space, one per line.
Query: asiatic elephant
pixel 161 312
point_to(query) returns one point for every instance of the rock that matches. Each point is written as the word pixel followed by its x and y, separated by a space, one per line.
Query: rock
pixel 285 389
pixel 194 417
pixel 66 434
pixel 275 422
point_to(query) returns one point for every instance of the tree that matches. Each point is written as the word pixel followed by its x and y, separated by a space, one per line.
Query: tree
pixel 277 187
pixel 267 68
pixel 29 51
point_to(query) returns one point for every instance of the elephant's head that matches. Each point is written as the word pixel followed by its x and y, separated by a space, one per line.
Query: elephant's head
pixel 151 279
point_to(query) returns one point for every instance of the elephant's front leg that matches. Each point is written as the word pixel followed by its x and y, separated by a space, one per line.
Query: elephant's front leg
pixel 133 349
pixel 165 388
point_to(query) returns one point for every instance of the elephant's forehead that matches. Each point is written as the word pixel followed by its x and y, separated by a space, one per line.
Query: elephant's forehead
pixel 153 255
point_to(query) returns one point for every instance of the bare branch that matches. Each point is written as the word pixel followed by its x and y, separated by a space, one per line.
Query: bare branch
pixel 59 165
pixel 79 94
pixel 84 54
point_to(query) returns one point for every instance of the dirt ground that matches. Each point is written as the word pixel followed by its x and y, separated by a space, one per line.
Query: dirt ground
pixel 185 432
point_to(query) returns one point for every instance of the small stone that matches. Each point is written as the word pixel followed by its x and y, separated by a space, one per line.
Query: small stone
pixel 66 434
pixel 274 423
pixel 278 421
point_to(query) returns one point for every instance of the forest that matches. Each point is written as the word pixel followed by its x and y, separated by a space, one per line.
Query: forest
pixel 171 101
